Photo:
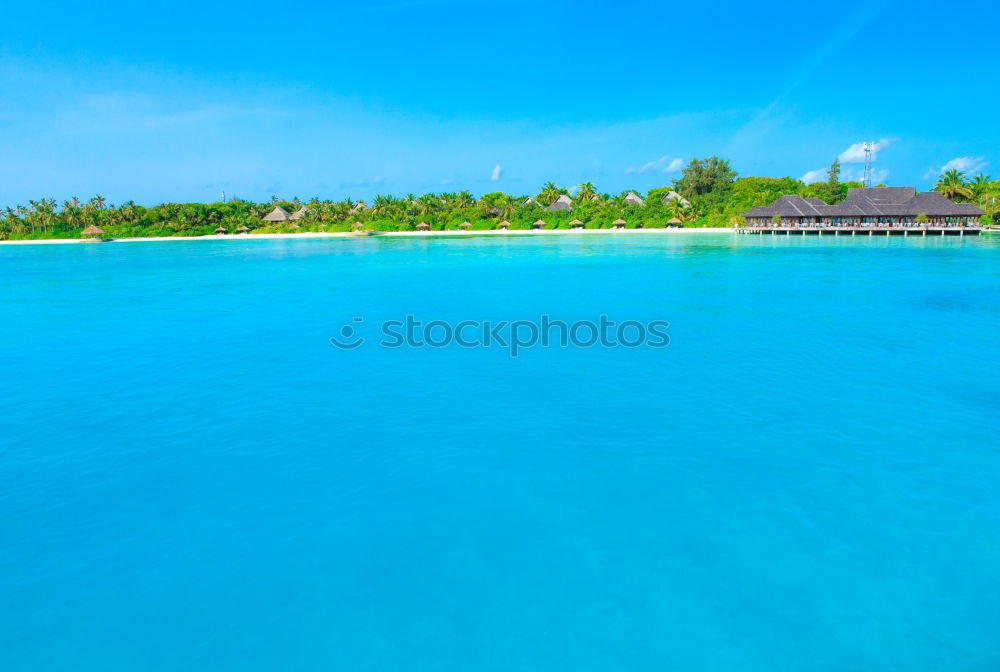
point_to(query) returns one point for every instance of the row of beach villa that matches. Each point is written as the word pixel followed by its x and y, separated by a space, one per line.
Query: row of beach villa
pixel 563 203
pixel 278 215
pixel 887 210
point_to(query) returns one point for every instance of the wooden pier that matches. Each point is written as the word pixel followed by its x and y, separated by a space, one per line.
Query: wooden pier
pixel 862 230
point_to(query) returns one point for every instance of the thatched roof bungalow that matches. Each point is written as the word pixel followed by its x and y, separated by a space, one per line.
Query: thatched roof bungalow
pixel 299 214
pixel 564 202
pixel 279 214
pixel 632 198
pixel 674 196
pixel 93 231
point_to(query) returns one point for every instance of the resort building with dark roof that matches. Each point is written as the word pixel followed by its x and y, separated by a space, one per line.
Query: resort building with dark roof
pixel 879 207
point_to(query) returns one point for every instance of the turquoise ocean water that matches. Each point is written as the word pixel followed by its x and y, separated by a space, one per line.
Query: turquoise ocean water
pixel 807 478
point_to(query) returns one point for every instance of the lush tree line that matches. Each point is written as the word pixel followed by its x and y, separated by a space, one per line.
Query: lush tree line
pixel 715 197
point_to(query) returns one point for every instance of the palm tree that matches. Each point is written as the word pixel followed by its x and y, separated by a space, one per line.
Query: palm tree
pixel 509 207
pixel 677 209
pixel 549 193
pixel 383 205
pixel 71 212
pixel 427 204
pixel 464 199
pixel 586 192
pixel 98 202
pixel 128 211
pixel 979 186
pixel 952 184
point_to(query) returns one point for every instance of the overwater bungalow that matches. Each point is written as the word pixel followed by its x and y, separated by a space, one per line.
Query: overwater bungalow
pixel 866 209
pixel 423 226
pixel 618 224
pixel 279 214
pixel 538 224
pixel 632 198
pixel 564 202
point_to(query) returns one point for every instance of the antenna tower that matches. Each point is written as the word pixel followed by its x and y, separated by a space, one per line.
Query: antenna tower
pixel 869 146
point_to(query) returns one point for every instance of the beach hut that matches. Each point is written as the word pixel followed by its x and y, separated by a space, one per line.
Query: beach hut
pixel 538 224
pixel 464 225
pixel 564 202
pixel 423 226
pixel 299 214
pixel 243 229
pixel 674 196
pixel 279 214
pixel 673 222
pixel 221 230
pixel 632 198
pixel 576 224
pixel 93 232
pixel 618 224
pixel 504 225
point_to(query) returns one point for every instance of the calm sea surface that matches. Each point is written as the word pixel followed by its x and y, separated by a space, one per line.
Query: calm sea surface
pixel 807 478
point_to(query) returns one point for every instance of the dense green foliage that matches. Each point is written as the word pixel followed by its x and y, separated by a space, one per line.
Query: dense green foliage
pixel 717 199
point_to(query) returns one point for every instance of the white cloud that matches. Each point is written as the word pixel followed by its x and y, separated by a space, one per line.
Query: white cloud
pixel 856 152
pixel 818 175
pixel 664 164
pixel 448 180
pixel 966 164
pixel 497 172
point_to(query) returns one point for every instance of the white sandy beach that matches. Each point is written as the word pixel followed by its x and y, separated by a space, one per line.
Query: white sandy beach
pixel 272 236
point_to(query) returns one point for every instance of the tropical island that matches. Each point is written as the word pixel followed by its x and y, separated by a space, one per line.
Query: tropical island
pixel 709 193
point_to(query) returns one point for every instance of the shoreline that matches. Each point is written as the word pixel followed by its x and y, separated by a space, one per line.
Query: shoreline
pixel 345 234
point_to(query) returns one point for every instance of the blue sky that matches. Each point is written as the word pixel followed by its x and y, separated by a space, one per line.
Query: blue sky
pixel 184 101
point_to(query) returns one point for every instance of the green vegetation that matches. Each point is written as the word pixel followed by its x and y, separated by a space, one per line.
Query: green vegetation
pixel 717 199
pixel 981 191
